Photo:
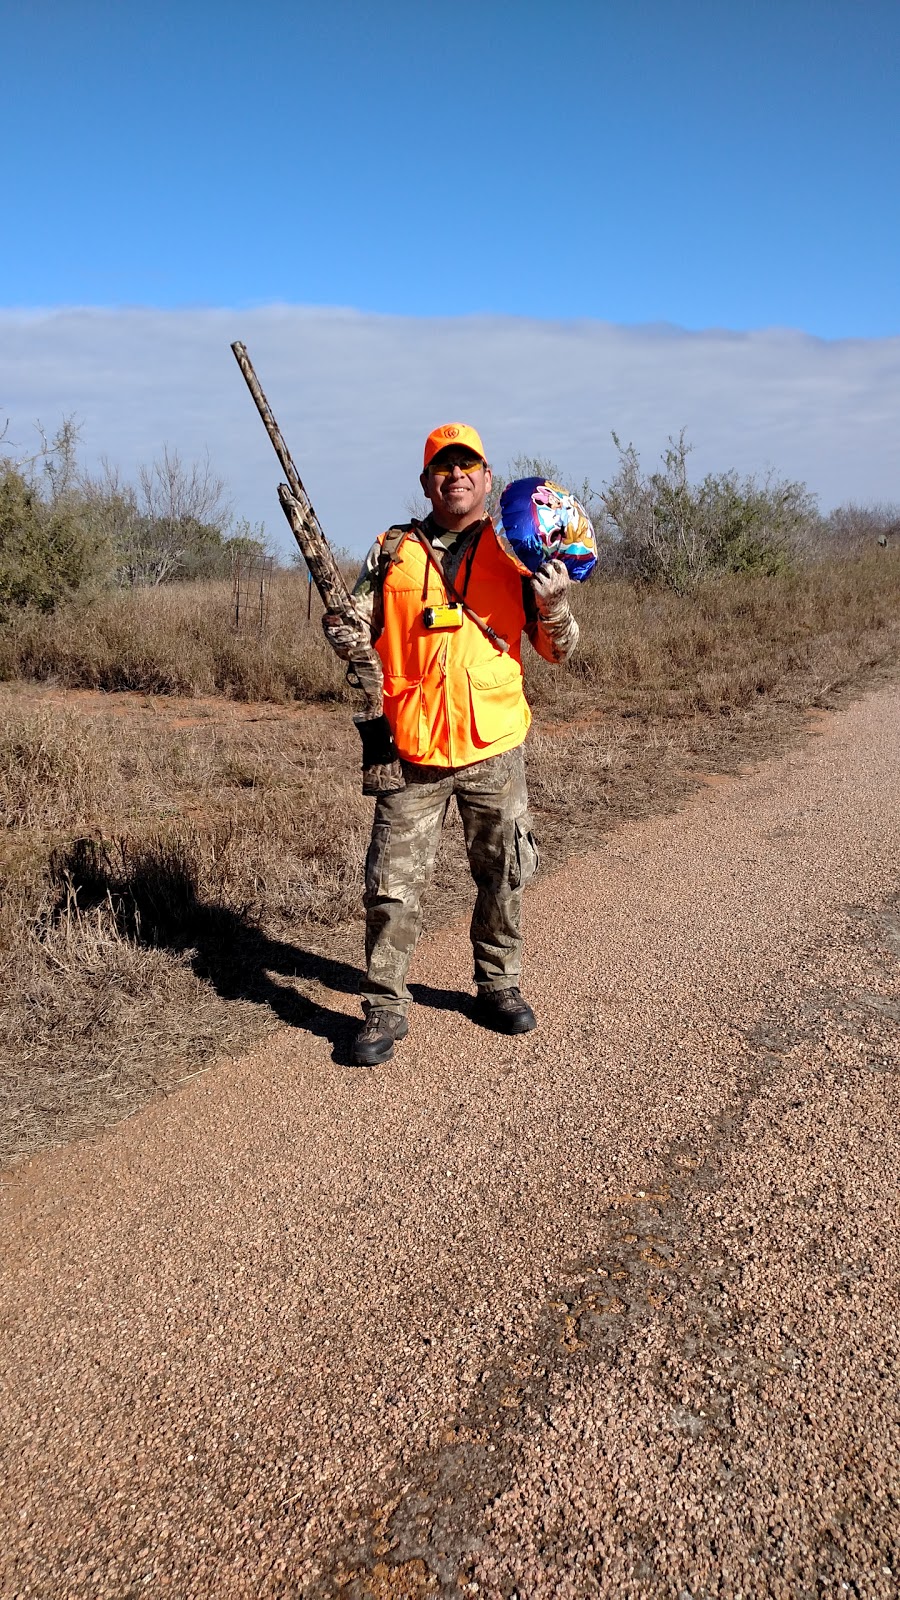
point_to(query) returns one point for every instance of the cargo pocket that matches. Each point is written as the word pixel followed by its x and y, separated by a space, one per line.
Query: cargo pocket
pixel 404 707
pixel 497 700
pixel 526 856
pixel 378 859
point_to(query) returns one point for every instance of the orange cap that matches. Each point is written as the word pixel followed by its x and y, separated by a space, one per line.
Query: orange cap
pixel 453 433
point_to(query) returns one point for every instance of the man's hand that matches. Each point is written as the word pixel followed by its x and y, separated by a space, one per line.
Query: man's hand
pixel 344 636
pixel 551 588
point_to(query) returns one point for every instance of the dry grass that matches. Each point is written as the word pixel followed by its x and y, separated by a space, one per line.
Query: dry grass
pixel 138 861
pixel 177 639
pixel 169 867
pixel 646 650
pixel 249 804
pixel 652 652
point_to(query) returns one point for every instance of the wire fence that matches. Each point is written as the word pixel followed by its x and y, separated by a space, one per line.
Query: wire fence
pixel 251 585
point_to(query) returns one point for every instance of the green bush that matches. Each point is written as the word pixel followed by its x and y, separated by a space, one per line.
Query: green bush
pixel 62 530
pixel 49 548
pixel 753 527
pixel 661 528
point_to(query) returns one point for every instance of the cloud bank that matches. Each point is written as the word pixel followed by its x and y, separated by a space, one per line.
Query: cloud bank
pixel 355 395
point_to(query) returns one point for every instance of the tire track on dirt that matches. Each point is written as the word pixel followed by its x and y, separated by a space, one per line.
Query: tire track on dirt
pixel 427 1530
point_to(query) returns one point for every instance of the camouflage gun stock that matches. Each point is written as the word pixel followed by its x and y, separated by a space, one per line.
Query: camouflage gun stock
pixel 382 772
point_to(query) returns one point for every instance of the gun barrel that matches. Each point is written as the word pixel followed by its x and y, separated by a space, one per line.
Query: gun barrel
pixel 295 483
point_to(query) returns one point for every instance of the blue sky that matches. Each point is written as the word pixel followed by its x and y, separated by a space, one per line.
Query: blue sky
pixel 730 163
pixel 552 219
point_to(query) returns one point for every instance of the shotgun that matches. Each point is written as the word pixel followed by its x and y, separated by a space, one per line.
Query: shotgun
pixel 382 772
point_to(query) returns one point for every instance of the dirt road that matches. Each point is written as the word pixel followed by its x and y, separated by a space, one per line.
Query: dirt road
pixel 611 1309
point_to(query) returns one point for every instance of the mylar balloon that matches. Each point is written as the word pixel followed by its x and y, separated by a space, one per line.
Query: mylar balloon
pixel 540 520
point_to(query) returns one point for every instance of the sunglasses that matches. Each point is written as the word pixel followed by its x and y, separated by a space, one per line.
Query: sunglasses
pixel 443 469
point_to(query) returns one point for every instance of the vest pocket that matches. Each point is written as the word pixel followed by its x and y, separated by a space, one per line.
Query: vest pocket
pixel 404 707
pixel 497 700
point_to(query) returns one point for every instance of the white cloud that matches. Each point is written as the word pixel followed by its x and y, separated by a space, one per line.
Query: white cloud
pixel 355 395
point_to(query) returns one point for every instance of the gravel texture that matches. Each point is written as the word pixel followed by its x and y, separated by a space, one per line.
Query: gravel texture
pixel 608 1309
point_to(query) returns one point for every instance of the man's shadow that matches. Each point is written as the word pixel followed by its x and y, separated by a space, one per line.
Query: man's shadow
pixel 244 963
pixel 152 893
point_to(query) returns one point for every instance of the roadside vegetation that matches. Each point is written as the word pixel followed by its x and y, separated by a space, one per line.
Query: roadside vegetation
pixel 65 532
pixel 177 639
pixel 182 858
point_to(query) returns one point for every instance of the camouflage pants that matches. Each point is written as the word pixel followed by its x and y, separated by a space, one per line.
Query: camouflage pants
pixel 493 804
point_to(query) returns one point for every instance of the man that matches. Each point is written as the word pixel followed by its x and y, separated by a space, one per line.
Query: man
pixel 446 608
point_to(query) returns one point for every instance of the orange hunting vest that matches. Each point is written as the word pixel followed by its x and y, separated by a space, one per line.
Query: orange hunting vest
pixel 450 696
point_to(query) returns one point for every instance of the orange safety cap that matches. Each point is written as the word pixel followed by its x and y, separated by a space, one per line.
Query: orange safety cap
pixel 458 433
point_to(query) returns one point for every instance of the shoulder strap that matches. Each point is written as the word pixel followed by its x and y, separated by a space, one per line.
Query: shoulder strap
pixel 390 547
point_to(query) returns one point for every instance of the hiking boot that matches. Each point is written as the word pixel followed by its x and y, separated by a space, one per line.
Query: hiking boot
pixel 505 1011
pixel 376 1038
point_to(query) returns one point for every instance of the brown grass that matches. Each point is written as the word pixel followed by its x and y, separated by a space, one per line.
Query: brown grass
pixel 138 860
pixel 177 639
pixel 652 652
pixel 177 872
pixel 645 650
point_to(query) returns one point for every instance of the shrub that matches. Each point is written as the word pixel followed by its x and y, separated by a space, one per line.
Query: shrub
pixel 851 527
pixel 48 548
pixel 753 527
pixel 660 528
pixel 62 531
pixel 170 525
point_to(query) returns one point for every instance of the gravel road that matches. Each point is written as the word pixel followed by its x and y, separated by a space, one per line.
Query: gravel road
pixel 611 1309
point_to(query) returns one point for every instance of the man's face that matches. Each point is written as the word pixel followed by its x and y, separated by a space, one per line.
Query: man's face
pixel 458 484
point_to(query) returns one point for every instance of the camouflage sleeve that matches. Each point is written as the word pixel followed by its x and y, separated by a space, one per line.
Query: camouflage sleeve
pixel 364 589
pixel 555 636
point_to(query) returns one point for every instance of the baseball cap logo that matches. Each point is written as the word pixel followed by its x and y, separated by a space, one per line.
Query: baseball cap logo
pixel 451 433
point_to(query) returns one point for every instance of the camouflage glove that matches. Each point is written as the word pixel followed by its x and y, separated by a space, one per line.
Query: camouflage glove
pixel 551 590
pixel 344 636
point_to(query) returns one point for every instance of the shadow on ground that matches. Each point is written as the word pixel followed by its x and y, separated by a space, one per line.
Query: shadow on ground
pixel 151 892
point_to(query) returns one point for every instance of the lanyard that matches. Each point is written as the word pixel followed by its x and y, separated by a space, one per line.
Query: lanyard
pixel 454 594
